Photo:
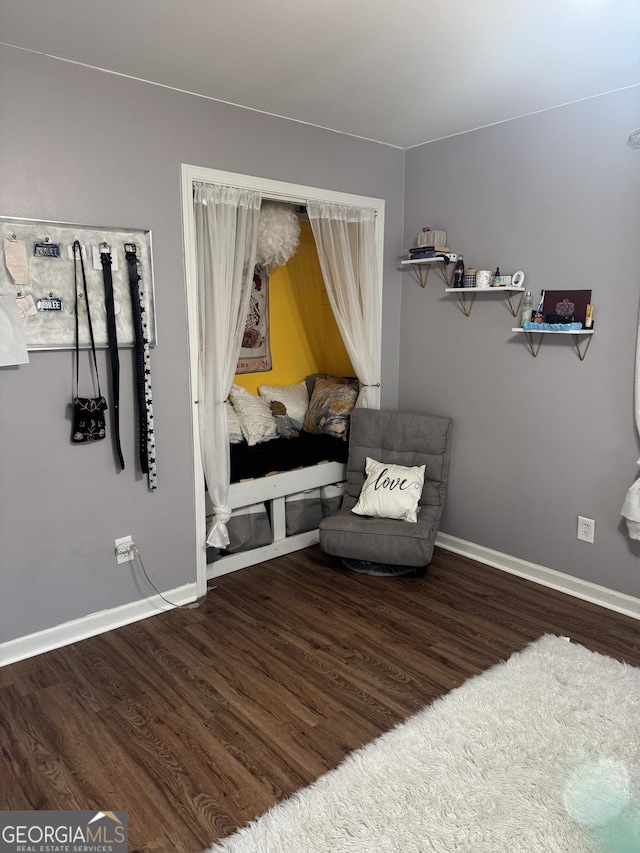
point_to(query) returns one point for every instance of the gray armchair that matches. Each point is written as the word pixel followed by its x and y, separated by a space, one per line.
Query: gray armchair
pixel 386 546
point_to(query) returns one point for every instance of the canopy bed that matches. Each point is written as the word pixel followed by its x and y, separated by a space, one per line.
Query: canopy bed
pixel 221 214
pixel 283 479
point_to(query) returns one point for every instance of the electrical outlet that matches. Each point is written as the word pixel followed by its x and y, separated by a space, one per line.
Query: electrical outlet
pixel 586 529
pixel 124 549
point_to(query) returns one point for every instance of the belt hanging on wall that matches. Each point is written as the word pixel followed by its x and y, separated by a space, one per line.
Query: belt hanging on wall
pixel 134 278
pixel 146 433
pixel 105 258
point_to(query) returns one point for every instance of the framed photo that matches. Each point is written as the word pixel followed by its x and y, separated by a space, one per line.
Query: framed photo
pixel 571 304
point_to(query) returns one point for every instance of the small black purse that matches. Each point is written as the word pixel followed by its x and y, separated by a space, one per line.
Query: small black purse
pixel 89 421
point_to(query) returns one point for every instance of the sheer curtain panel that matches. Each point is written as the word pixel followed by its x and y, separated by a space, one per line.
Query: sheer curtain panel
pixel 346 244
pixel 226 224
pixel 631 506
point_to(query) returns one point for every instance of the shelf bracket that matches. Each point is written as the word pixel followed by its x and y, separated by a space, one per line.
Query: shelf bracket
pixel 465 304
pixel 576 343
pixel 515 309
pixel 534 347
pixel 421 273
pixel 447 278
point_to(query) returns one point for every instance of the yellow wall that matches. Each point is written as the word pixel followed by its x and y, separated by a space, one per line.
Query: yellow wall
pixel 304 335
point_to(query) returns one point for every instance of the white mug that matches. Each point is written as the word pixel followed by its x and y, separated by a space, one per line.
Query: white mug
pixel 483 278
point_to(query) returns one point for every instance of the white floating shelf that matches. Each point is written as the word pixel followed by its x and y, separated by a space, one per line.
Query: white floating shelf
pixel 420 268
pixel 466 296
pixel 415 261
pixel 555 331
pixel 484 289
pixel 573 333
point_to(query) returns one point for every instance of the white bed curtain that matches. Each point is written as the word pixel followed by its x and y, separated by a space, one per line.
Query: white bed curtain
pixel 226 222
pixel 631 506
pixel 345 240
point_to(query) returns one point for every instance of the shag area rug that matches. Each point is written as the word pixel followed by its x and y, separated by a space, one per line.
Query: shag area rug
pixel 538 754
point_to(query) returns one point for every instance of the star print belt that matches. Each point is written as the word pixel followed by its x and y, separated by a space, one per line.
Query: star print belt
pixel 146 435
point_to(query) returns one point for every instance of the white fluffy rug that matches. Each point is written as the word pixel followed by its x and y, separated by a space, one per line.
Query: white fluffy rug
pixel 537 755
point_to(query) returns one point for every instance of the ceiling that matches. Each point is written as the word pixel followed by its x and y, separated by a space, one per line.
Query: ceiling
pixel 402 72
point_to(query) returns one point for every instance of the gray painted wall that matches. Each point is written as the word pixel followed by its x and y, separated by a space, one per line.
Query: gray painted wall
pixel 78 145
pixel 536 442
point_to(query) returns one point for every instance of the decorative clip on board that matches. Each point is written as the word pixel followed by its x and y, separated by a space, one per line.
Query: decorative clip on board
pixel 52 303
pixel 105 258
pixel 46 249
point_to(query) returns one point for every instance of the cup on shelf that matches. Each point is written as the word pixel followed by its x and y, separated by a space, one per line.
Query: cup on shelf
pixel 483 278
pixel 469 279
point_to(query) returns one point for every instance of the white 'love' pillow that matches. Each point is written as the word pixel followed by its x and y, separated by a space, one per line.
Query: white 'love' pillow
pixel 391 491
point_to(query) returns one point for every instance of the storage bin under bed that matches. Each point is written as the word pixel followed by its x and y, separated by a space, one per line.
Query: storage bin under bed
pixel 250 527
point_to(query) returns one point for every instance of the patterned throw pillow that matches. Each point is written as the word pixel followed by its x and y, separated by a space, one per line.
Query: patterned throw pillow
pixel 330 408
pixel 256 421
pixel 391 491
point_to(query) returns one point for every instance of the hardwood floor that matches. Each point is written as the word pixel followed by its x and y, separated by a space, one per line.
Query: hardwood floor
pixel 197 721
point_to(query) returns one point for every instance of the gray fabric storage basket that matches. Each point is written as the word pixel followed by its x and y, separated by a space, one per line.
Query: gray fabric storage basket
pixel 248 528
pixel 331 498
pixel 303 511
pixel 399 438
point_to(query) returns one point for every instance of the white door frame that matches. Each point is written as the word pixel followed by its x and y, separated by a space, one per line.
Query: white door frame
pixel 276 191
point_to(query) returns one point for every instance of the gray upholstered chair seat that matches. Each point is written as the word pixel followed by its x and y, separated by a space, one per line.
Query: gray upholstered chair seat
pixel 399 438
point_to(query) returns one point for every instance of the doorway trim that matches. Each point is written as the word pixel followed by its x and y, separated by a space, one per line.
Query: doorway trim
pixel 273 191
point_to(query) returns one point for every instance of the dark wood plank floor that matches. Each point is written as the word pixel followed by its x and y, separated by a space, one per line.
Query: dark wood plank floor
pixel 197 721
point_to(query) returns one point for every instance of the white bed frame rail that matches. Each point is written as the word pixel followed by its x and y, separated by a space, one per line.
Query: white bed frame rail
pixel 273 490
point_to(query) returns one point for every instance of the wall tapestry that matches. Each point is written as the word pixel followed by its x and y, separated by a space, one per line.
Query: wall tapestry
pixel 255 353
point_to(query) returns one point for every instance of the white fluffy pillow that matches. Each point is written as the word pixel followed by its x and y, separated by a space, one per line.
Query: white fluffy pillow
pixel 233 425
pixel 391 491
pixel 295 398
pixel 256 421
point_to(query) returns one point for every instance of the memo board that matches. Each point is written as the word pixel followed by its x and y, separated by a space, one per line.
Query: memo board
pixel 50 275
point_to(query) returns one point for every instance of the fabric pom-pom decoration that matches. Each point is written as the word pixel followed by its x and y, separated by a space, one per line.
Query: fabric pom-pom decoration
pixel 278 234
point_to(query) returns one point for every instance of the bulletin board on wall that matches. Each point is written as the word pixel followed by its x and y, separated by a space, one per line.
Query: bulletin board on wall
pixel 37 267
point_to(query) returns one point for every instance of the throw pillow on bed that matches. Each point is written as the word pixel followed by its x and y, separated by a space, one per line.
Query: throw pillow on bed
pixel 256 421
pixel 295 398
pixel 391 491
pixel 330 408
pixel 233 424
pixel 310 381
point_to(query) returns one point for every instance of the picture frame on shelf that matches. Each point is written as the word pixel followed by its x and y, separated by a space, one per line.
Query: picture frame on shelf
pixel 569 304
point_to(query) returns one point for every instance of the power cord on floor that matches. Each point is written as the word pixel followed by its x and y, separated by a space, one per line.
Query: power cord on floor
pixel 191 606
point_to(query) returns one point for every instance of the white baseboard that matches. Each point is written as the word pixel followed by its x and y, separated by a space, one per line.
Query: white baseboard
pixel 596 594
pixel 92 624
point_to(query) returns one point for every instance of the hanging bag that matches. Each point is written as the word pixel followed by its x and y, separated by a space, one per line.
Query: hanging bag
pixel 89 423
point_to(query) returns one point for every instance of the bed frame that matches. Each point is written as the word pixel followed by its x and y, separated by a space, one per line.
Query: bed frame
pixel 273 490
